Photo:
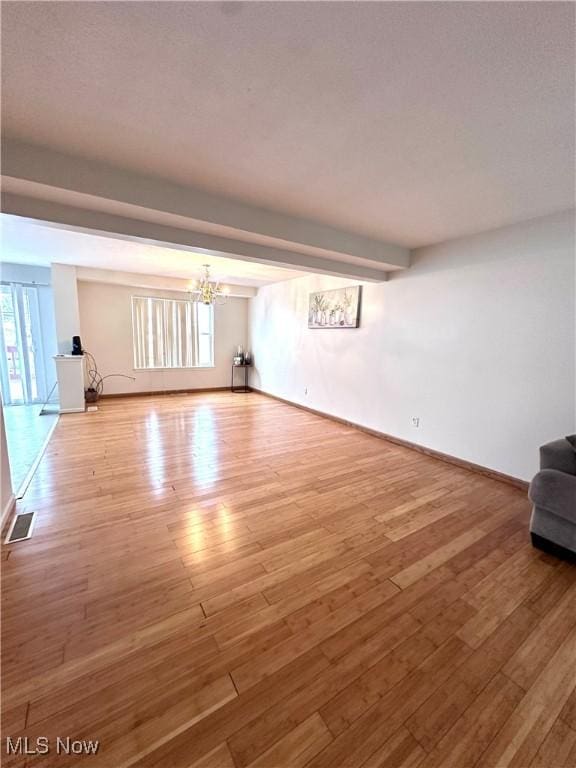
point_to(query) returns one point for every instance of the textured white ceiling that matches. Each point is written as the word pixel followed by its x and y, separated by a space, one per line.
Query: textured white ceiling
pixel 27 242
pixel 411 122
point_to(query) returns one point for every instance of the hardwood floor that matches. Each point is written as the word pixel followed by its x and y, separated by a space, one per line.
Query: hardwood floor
pixel 221 581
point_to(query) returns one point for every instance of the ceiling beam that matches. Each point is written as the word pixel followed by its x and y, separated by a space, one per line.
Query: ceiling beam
pixel 103 223
pixel 32 171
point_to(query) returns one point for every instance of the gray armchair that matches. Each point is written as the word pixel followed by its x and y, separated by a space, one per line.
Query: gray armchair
pixel 553 493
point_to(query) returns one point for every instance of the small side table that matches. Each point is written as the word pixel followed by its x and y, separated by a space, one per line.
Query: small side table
pixel 244 388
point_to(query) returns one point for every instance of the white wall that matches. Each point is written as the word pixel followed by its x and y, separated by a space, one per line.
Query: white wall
pixel 477 339
pixel 159 282
pixel 106 323
pixel 64 290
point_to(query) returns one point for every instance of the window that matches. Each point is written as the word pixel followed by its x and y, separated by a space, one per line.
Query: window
pixel 22 375
pixel 172 333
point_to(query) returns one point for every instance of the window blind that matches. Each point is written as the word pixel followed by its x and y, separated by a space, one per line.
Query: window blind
pixel 167 333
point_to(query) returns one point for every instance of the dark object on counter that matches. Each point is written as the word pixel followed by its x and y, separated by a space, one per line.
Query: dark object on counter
pixel 77 346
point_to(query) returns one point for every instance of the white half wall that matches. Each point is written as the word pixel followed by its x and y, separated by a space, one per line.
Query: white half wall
pixel 106 322
pixel 6 493
pixel 477 339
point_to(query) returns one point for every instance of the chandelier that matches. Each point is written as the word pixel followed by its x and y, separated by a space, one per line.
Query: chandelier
pixel 207 291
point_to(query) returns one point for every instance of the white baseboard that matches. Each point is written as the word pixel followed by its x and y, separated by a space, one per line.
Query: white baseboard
pixel 19 493
pixel 7 511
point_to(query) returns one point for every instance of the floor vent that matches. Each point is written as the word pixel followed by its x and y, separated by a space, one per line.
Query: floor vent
pixel 21 528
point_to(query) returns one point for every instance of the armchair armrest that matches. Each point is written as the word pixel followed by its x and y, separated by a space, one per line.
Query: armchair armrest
pixel 559 455
pixel 555 492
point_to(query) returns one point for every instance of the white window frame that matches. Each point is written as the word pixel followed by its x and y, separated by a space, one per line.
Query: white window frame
pixel 196 328
pixel 210 334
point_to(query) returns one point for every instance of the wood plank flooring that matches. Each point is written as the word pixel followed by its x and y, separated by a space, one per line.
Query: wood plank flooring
pixel 225 581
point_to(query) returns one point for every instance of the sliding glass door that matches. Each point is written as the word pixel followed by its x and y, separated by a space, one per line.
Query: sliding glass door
pixel 22 373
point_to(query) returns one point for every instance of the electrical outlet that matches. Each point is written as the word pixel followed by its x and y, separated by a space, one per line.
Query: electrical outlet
pixel 415 421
